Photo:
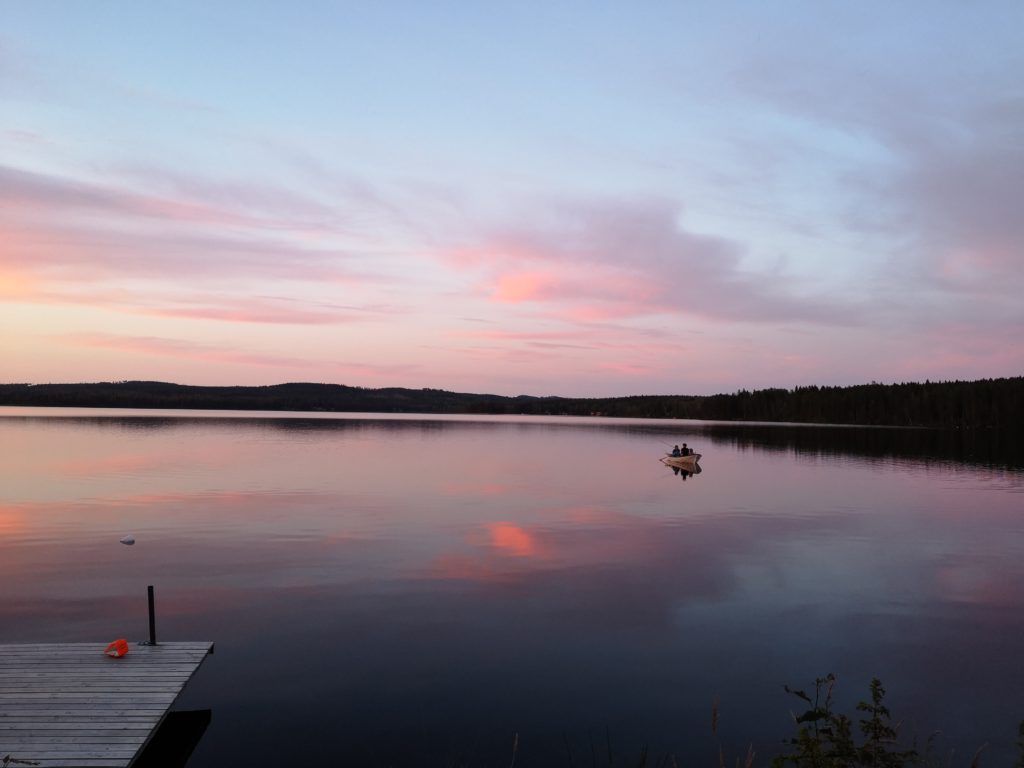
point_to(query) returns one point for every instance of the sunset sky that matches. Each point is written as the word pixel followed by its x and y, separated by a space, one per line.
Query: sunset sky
pixel 577 199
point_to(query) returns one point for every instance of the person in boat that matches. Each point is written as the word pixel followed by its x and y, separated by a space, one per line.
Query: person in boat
pixel 676 452
pixel 684 451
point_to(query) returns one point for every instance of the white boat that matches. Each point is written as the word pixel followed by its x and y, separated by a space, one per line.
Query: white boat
pixel 681 461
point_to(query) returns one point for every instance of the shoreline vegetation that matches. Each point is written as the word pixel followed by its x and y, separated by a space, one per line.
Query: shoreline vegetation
pixel 870 738
pixel 824 738
pixel 982 404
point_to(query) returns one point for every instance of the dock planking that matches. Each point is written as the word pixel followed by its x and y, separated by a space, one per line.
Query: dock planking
pixel 71 706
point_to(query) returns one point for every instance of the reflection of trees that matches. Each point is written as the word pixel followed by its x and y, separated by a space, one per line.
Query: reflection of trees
pixel 984 447
pixel 994 448
pixel 980 447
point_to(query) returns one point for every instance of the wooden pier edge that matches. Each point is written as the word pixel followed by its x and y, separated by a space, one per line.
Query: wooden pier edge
pixel 68 705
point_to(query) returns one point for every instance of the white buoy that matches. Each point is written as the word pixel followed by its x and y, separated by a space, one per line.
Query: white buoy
pixel 128 539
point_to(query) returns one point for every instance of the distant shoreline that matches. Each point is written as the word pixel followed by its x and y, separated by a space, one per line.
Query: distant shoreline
pixel 986 403
pixel 234 413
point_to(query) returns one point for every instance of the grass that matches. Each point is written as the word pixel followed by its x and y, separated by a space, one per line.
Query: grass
pixel 825 738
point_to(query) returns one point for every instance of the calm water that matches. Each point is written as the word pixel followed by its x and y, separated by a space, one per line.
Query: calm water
pixel 420 591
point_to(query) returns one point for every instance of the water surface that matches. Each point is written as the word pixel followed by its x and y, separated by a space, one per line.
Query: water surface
pixel 430 591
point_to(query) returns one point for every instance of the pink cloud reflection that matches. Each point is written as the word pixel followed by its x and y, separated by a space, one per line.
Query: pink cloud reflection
pixel 109 465
pixel 13 521
pixel 486 489
pixel 514 540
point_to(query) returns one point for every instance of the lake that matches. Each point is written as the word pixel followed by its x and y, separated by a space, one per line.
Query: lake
pixel 473 591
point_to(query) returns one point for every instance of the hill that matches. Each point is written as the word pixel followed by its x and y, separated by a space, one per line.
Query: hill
pixel 964 404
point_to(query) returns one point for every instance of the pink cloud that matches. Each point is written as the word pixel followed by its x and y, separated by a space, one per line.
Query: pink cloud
pixel 382 373
pixel 257 310
pixel 523 286
pixel 32 138
pixel 18 286
pixel 626 369
pixel 955 350
pixel 89 252
pixel 244 315
pixel 944 203
pixel 88 232
pixel 36 192
pixel 614 261
pixel 541 341
pixel 599 350
pixel 155 346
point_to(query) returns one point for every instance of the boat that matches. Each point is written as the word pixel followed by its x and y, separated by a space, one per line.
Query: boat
pixel 685 462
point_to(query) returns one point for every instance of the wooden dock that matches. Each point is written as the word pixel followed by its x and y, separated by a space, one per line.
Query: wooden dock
pixel 71 706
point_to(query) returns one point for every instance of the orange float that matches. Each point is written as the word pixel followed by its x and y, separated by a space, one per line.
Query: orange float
pixel 117 649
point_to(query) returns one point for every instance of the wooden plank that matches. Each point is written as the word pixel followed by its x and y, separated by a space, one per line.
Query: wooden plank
pixel 93 726
pixel 84 649
pixel 11 663
pixel 18 700
pixel 96 653
pixel 81 670
pixel 72 710
pixel 93 666
pixel 50 681
pixel 44 684
pixel 66 715
pixel 135 655
pixel 75 689
pixel 100 660
pixel 71 706
pixel 78 751
pixel 77 738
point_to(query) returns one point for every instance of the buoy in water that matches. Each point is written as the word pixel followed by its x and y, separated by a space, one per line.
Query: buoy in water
pixel 128 539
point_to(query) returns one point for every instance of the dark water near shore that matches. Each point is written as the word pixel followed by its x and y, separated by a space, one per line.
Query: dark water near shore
pixel 425 591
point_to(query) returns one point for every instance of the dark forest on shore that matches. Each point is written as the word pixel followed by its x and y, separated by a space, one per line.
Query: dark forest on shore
pixel 987 403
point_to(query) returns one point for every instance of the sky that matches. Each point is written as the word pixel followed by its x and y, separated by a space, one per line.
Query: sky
pixel 571 198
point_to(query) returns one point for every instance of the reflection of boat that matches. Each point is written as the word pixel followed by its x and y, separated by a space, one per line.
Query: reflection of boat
pixel 683 462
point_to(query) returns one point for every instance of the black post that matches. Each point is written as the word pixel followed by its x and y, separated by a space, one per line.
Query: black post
pixel 152 617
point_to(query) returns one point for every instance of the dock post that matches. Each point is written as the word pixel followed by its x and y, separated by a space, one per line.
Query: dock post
pixel 152 617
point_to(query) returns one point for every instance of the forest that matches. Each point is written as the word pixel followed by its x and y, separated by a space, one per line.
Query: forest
pixel 985 403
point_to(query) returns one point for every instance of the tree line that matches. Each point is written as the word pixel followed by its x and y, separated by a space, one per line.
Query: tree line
pixel 961 404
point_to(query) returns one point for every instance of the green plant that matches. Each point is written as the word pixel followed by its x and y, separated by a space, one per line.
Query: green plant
pixel 825 738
